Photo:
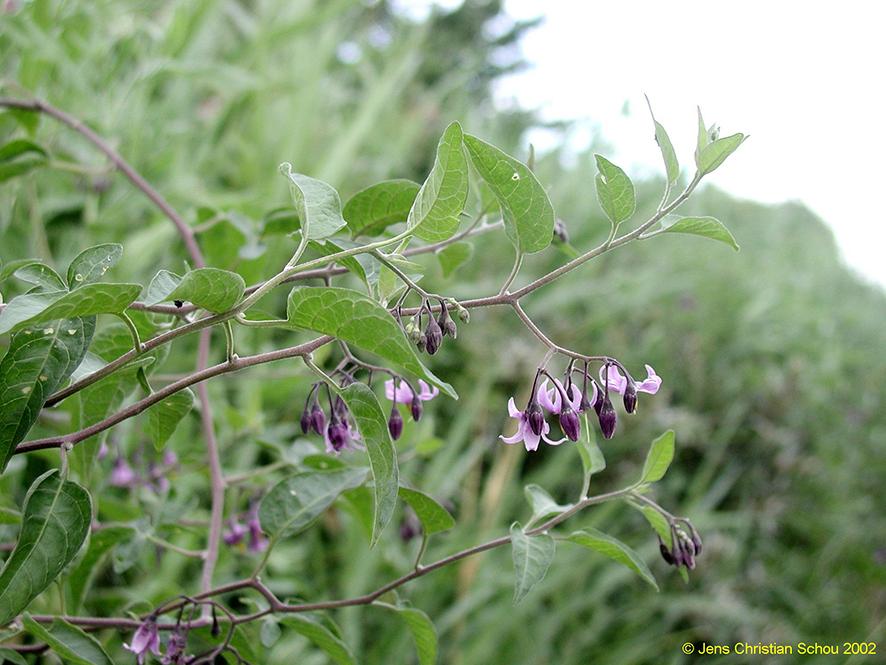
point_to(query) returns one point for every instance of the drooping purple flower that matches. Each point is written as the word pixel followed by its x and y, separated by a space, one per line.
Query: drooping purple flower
pixel 557 401
pixel 339 435
pixel 146 638
pixel 404 394
pixel 524 430
pixel 122 474
pixel 175 651
pixel 618 383
pixel 234 533
pixel 257 540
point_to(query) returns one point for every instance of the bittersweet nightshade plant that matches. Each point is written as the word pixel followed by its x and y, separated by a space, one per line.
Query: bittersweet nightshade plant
pixel 98 343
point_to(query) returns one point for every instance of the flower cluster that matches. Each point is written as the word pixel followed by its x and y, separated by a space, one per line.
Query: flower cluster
pixel 404 393
pixel 152 475
pixel 147 638
pixel 567 402
pixel 685 547
pixel 435 330
pixel 236 532
pixel 338 433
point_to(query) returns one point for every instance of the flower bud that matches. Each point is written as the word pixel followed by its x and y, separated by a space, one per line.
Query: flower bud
pixel 422 343
pixel 560 232
pixel 433 336
pixel 395 423
pixel 570 424
pixel 338 434
pixel 696 540
pixel 306 418
pixel 447 325
pixel 463 315
pixel 215 631
pixel 318 418
pixel 416 408
pixel 535 416
pixel 630 396
pixel 665 552
pixel 606 414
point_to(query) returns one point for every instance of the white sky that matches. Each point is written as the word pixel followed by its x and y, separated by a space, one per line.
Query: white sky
pixel 805 81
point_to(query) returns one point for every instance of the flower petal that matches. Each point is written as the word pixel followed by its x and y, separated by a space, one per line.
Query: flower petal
pixel 549 399
pixel 512 409
pixel 617 382
pixel 652 382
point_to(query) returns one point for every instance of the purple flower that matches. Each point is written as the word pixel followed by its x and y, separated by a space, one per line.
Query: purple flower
pixel 341 436
pixel 618 383
pixel 552 399
pixel 122 475
pixel 257 540
pixel 146 638
pixel 234 533
pixel 175 651
pixel 524 431
pixel 169 458
pixel 404 393
pixel 102 451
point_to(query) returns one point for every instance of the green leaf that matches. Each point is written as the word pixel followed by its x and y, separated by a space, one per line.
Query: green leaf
pixel 213 289
pixel 321 636
pixel 10 656
pixel 357 319
pixel 704 136
pixel 56 519
pixel 372 210
pixel 525 207
pixel 19 147
pixel 591 456
pixel 657 521
pixel 69 642
pixel 36 364
pixel 441 199
pixel 614 549
pixel 365 266
pixel 92 263
pixel 11 166
pixel 35 272
pixel 318 204
pixel 33 308
pixel 373 427
pixel 672 166
pixel 165 416
pixel 422 630
pixel 270 632
pixel 717 151
pixel 707 227
pixel 295 502
pixel 615 191
pixel 87 569
pixel 454 255
pixel 532 557
pixel 661 453
pixel 542 503
pixel 433 517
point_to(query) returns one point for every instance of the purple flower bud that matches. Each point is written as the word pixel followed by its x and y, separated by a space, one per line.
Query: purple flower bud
pixel 630 395
pixel 416 408
pixel 103 451
pixel 560 231
pixel 146 638
pixel 696 540
pixel 535 416
pixel 433 336
pixel 305 421
pixel 395 423
pixel 318 418
pixel 422 343
pixel 337 433
pixel 175 652
pixel 447 325
pixel 215 631
pixel 665 552
pixel 570 424
pixel 234 533
pixel 607 417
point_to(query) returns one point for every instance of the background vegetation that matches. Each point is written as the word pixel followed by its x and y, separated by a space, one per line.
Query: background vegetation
pixel 773 359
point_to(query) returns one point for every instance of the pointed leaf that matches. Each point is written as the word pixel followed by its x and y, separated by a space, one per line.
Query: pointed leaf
pixel 704 136
pixel 317 203
pixel 42 275
pixel 433 517
pixel 358 320
pixel 372 210
pixel 422 630
pixel 69 642
pixel 365 266
pixel 614 549
pixel 661 453
pixel 707 227
pixel 657 521
pixel 373 427
pixel 532 558
pixel 672 166
pixel 525 207
pixel 717 151
pixel 321 636
pixel 295 502
pixel 165 416
pixel 213 289
pixel 615 191
pixel 55 521
pixel 591 456
pixel 10 656
pixel 11 166
pixel 37 363
pixel 92 263
pixel 34 308
pixel 441 199
pixel 454 255
pixel 18 147
pixel 542 503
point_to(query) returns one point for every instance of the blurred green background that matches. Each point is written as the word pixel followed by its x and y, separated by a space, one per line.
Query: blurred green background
pixel 773 359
